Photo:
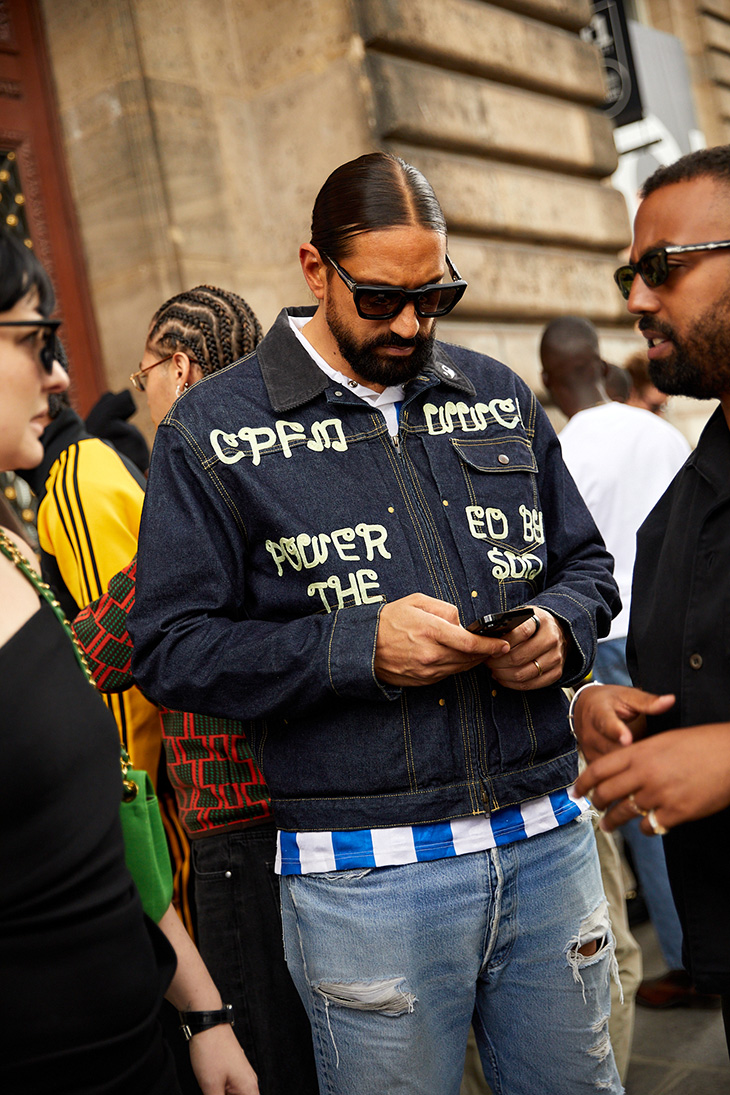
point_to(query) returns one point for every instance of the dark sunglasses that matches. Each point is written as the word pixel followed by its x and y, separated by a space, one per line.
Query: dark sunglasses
pixel 653 267
pixel 46 328
pixel 386 301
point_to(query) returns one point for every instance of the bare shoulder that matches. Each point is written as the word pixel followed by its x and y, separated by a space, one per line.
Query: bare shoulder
pixel 18 598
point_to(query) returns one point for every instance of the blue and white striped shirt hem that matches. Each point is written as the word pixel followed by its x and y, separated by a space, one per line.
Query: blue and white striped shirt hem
pixel 311 853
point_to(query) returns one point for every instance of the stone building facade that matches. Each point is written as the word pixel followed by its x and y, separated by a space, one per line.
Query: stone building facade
pixel 197 133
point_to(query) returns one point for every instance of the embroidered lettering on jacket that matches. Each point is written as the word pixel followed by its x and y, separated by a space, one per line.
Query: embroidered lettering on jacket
pixel 532 530
pixel 491 524
pixel 509 565
pixel 305 551
pixel 251 441
pixel 460 416
pixel 352 545
pixel 357 587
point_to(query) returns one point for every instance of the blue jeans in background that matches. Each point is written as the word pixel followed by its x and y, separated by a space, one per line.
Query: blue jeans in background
pixel 610 665
pixel 394 963
pixel 647 853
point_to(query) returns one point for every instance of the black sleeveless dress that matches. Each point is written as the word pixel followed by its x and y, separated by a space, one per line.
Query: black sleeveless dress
pixel 82 971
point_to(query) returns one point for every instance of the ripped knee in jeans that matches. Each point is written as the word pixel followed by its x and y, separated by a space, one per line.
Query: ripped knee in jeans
pixel 386 997
pixel 592 943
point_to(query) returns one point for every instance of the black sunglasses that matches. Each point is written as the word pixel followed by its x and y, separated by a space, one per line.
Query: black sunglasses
pixel 386 301
pixel 653 267
pixel 47 329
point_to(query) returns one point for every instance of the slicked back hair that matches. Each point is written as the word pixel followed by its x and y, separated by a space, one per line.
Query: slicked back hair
pixel 20 271
pixel 713 163
pixel 213 326
pixel 374 191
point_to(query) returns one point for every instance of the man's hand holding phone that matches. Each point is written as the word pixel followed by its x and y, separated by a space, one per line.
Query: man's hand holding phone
pixel 420 641
pixel 537 650
pixel 499 623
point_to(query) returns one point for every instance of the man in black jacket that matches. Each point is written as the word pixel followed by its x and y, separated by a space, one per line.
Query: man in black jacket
pixel 679 650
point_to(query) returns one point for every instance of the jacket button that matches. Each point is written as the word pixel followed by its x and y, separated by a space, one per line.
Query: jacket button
pixel 228 874
pixel 442 703
pixel 503 459
pixel 695 661
pixel 445 501
pixel 494 691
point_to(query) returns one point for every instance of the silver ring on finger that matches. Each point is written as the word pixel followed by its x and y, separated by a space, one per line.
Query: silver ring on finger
pixel 656 826
pixel 537 624
pixel 537 667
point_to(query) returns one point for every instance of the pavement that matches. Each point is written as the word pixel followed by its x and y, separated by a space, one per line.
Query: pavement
pixel 678 1051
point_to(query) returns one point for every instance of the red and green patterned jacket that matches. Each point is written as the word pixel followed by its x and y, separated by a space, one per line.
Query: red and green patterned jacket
pixel 210 763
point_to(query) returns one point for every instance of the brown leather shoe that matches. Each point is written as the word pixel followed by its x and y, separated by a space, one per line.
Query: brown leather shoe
pixel 674 990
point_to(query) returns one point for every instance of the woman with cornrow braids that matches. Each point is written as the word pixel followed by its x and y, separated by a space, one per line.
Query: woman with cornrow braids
pixel 198 332
pixel 222 799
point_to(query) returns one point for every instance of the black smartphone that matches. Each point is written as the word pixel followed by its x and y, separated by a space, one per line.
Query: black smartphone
pixel 499 623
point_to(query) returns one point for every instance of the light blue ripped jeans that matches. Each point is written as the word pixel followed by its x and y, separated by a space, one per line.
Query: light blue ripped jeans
pixel 393 964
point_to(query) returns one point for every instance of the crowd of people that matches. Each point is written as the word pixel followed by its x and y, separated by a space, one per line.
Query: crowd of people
pixel 289 622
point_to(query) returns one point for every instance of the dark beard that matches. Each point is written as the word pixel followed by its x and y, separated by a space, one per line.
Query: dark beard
pixel 386 371
pixel 700 363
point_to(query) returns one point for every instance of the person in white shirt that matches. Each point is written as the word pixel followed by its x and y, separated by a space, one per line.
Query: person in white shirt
pixel 622 458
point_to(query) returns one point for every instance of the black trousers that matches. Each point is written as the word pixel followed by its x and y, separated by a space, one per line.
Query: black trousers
pixel 699 874
pixel 240 939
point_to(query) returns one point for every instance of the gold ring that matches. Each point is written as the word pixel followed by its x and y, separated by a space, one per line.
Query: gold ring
pixel 537 667
pixel 656 827
pixel 637 808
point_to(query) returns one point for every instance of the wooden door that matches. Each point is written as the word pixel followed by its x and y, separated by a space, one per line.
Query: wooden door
pixel 35 198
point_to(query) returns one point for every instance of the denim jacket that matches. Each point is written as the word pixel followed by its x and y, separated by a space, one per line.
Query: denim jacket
pixel 280 516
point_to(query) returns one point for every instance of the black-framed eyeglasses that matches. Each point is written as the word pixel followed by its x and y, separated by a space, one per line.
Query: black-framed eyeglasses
pixel 139 379
pixel 653 267
pixel 386 301
pixel 46 328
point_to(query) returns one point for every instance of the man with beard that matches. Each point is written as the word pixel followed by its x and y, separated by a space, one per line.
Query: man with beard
pixel 323 521
pixel 622 459
pixel 677 777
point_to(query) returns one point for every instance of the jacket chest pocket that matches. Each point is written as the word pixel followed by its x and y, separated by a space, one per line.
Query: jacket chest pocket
pixel 503 505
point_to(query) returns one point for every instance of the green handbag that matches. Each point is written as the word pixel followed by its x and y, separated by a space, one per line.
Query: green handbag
pixel 145 844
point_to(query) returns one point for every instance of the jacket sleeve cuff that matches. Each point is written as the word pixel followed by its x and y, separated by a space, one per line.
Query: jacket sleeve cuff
pixel 580 634
pixel 351 654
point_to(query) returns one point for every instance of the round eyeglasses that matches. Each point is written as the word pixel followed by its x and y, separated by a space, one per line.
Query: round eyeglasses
pixel 139 380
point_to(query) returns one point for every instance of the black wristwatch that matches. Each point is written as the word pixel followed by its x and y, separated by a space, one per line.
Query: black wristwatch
pixel 193 1022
